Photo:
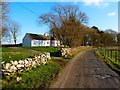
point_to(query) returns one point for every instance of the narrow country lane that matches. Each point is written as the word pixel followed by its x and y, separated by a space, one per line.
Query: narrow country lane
pixel 87 71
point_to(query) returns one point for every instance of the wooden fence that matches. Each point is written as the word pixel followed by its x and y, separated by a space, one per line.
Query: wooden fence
pixel 112 53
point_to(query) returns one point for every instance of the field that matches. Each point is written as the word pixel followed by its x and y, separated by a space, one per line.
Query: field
pixel 54 51
pixel 44 49
pixel 111 57
pixel 13 54
pixel 38 77
pixel 9 54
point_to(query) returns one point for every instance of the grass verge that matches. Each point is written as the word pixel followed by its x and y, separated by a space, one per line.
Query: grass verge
pixel 111 63
pixel 39 77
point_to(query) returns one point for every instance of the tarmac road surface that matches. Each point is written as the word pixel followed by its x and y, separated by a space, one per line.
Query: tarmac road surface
pixel 87 71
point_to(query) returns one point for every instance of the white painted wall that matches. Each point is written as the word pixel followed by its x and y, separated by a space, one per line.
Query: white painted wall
pixel 26 41
pixel 55 43
pixel 35 43
pixel 40 43
pixel 46 42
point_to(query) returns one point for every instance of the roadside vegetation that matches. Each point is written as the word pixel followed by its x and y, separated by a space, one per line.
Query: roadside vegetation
pixel 110 57
pixel 84 49
pixel 38 77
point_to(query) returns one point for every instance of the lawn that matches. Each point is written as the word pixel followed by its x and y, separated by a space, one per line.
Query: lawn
pixel 54 51
pixel 13 54
pixel 44 49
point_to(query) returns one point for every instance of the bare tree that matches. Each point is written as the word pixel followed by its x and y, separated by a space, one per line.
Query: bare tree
pixel 66 23
pixel 3 18
pixel 4 10
pixel 14 29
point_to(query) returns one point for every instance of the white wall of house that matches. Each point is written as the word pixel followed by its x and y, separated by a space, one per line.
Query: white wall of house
pixel 40 43
pixel 35 43
pixel 46 42
pixel 26 41
pixel 55 43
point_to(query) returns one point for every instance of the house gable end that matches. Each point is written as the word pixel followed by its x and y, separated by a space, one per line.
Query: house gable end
pixel 26 40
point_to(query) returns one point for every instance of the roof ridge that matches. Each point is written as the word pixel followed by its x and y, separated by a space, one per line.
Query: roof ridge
pixel 36 34
pixel 40 37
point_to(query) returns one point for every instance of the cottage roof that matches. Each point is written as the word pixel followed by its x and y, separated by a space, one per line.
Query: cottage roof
pixel 40 37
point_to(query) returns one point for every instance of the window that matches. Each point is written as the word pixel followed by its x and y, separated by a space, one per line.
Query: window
pixel 35 42
pixel 41 42
pixel 52 42
pixel 48 43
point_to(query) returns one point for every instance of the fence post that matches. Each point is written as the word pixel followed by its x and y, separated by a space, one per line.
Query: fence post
pixel 111 54
pixel 116 56
pixel 105 52
pixel 108 53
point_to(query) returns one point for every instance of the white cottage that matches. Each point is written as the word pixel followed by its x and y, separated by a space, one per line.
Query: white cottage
pixel 39 40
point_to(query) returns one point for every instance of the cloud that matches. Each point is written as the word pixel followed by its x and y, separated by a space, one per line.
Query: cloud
pixel 75 1
pixel 112 14
pixel 89 2
pixel 98 3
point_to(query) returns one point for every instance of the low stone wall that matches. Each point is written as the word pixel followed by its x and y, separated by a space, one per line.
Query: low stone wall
pixel 72 51
pixel 18 66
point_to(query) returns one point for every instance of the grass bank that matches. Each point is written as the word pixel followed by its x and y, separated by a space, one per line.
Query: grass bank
pixel 39 77
pixel 110 58
pixel 13 54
